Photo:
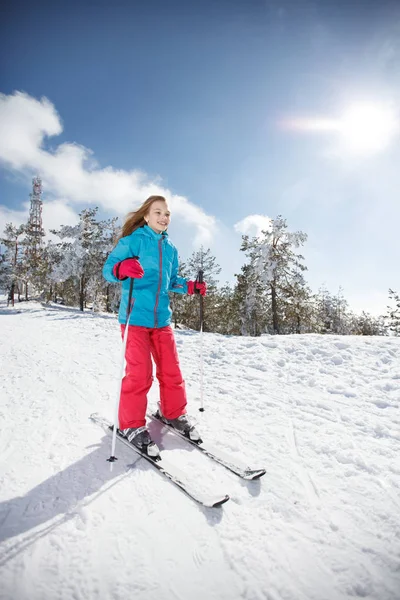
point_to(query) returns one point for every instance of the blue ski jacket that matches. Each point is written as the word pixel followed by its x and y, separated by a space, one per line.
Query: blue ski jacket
pixel 159 259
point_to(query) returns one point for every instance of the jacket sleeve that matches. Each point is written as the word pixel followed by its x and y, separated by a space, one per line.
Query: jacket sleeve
pixel 177 284
pixel 126 248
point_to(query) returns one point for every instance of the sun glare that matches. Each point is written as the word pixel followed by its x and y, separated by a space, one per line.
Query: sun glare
pixel 363 128
pixel 367 128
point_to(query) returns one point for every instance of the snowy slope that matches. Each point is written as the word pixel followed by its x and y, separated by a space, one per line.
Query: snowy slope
pixel 321 413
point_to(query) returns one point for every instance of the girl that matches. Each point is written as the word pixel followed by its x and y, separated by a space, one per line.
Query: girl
pixel 145 253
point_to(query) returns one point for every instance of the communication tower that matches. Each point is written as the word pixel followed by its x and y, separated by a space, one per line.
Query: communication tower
pixel 35 226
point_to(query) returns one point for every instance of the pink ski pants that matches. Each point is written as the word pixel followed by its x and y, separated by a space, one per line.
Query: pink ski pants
pixel 144 343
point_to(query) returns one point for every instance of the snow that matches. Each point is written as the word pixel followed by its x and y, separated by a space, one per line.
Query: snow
pixel 320 413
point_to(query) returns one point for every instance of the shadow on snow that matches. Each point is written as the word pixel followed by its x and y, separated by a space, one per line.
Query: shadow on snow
pixel 61 498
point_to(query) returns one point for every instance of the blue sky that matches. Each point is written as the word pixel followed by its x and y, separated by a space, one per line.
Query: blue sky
pixel 212 102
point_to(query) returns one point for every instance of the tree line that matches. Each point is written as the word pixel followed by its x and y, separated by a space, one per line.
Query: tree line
pixel 269 295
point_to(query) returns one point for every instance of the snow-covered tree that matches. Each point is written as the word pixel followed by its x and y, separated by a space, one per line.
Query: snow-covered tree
pixel 323 310
pixel 365 324
pixel 297 311
pixel 5 273
pixel 186 309
pixel 84 248
pixel 13 267
pixel 393 314
pixel 51 257
pixel 107 294
pixel 277 266
pixel 250 302
pixel 340 313
pixel 34 259
pixel 180 303
pixel 226 312
pixel 331 313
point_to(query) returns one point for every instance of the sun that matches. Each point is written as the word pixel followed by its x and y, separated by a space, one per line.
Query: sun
pixel 367 128
pixel 363 129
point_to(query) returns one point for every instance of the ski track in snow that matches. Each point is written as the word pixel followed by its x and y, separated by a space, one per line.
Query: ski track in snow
pixel 320 413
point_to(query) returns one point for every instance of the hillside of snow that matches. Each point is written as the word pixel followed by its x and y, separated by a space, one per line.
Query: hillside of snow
pixel 320 413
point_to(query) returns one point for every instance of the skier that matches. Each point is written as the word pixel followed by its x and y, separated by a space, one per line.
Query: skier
pixel 144 252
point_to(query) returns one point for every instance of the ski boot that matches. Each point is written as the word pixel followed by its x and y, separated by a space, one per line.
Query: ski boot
pixel 182 426
pixel 140 437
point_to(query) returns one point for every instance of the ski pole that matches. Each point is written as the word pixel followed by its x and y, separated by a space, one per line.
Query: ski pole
pixel 123 352
pixel 199 279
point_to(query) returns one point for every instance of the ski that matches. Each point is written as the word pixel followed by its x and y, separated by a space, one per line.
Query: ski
pixel 215 454
pixel 166 468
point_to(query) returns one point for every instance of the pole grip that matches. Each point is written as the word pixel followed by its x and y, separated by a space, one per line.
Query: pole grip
pixel 200 279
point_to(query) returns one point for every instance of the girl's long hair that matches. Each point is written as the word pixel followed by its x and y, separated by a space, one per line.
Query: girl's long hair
pixel 135 219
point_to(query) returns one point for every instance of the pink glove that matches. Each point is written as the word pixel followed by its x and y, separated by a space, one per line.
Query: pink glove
pixel 192 286
pixel 130 267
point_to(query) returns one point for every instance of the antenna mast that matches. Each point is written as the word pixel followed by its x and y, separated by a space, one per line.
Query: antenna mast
pixel 35 214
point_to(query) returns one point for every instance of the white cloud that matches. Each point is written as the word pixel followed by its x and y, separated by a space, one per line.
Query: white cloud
pixel 70 173
pixel 24 121
pixel 253 225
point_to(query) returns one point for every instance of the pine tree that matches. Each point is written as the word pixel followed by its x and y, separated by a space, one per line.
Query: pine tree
pixel 34 257
pixel 83 251
pixel 366 324
pixel 340 313
pixel 187 308
pixel 226 313
pixel 297 307
pixel 323 312
pixel 108 294
pixel 331 313
pixel 180 302
pixel 276 265
pixel 393 315
pixel 5 273
pixel 51 257
pixel 250 302
pixel 12 263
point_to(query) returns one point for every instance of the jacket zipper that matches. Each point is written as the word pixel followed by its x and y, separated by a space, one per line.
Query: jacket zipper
pixel 159 281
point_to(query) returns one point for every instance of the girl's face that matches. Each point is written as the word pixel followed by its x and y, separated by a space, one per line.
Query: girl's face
pixel 158 216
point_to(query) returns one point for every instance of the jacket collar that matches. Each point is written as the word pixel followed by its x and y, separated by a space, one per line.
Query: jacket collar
pixel 148 231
